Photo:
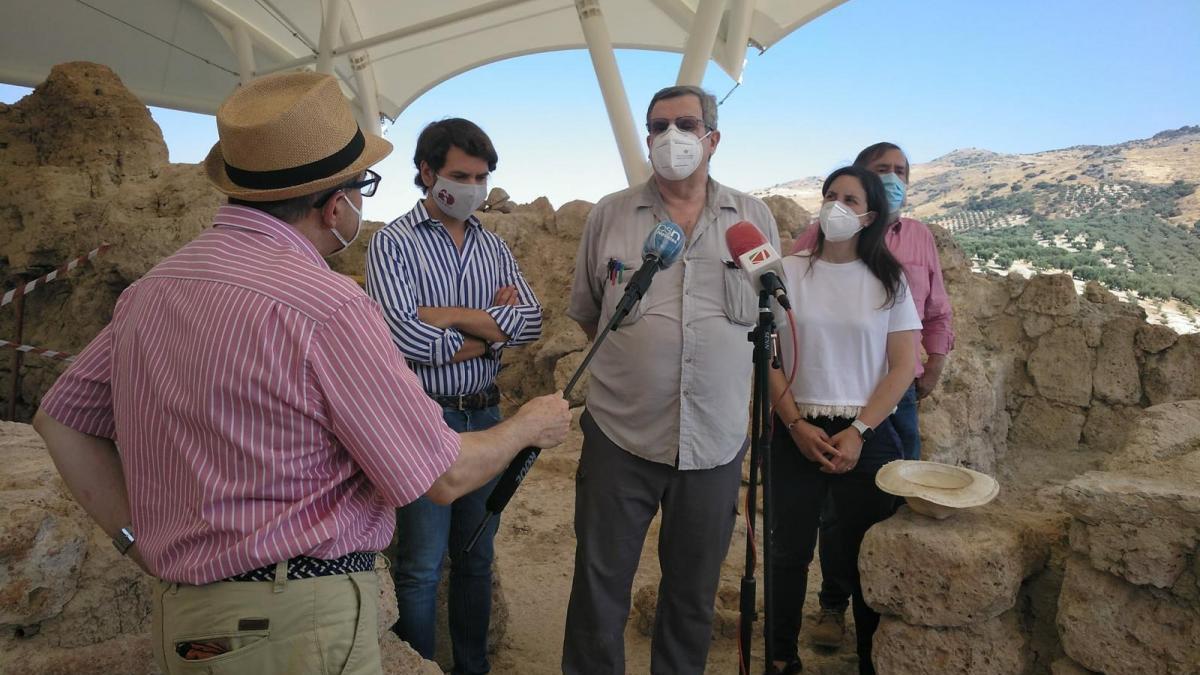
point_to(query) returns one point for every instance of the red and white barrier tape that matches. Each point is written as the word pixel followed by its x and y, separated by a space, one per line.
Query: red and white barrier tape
pixel 64 269
pixel 30 349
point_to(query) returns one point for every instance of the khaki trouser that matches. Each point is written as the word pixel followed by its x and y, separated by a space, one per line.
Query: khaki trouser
pixel 325 625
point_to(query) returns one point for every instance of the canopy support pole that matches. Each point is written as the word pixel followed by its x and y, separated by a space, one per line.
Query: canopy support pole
pixel 701 38
pixel 245 52
pixel 737 37
pixel 222 15
pixel 620 115
pixel 364 75
pixel 330 27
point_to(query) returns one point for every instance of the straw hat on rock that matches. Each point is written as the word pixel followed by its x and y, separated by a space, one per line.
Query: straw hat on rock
pixel 288 135
pixel 934 489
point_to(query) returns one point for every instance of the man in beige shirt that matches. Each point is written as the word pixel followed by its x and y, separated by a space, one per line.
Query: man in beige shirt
pixel 668 403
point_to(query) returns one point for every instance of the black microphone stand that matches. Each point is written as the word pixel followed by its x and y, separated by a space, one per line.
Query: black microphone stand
pixel 760 453
pixel 523 462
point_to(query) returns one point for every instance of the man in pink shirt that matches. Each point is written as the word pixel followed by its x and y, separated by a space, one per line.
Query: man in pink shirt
pixel 911 242
pixel 244 428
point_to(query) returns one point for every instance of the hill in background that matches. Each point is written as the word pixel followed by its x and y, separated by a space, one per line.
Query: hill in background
pixel 1127 215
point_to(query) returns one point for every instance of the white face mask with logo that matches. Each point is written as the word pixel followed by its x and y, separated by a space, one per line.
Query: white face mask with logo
pixel 677 154
pixel 457 200
pixel 357 227
pixel 838 222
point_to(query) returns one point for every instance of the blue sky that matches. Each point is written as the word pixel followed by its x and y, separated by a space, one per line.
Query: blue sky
pixel 933 76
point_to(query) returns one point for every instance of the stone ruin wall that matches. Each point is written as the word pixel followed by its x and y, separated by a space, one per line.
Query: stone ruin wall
pixel 1088 559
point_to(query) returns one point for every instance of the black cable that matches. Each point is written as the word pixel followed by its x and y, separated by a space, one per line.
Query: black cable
pixel 294 32
pixel 165 42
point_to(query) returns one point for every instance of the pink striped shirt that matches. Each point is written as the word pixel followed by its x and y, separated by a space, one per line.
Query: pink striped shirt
pixel 913 245
pixel 259 406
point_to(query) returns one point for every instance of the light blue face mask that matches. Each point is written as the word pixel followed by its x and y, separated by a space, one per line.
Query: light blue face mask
pixel 895 189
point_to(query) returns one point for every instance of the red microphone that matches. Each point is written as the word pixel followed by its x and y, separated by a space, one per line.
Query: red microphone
pixel 761 262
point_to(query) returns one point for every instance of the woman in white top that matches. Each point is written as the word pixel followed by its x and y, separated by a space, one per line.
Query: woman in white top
pixel 855 357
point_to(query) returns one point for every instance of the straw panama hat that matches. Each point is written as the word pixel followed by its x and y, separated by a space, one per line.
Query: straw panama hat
pixel 288 135
pixel 935 489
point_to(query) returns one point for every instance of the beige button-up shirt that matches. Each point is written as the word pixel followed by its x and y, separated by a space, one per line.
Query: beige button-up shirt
pixel 672 383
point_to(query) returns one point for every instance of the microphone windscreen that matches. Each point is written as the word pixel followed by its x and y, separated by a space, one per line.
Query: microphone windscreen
pixel 743 237
pixel 665 243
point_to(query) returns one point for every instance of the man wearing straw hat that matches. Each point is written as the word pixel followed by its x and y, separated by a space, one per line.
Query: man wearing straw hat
pixel 267 426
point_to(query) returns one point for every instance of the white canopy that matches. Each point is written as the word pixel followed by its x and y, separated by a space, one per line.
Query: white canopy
pixel 190 54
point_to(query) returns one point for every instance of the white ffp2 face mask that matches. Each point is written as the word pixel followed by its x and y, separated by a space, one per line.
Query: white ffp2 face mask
pixel 357 228
pixel 458 200
pixel 677 154
pixel 838 222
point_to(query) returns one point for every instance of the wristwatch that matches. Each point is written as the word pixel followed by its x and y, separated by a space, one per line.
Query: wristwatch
pixel 863 430
pixel 124 539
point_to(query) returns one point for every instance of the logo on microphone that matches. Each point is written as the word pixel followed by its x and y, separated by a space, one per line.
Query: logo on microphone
pixel 760 256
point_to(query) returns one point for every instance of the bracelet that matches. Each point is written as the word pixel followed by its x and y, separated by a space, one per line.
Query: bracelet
pixel 794 422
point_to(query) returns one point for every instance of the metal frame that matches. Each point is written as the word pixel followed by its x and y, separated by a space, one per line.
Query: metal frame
pixel 341 36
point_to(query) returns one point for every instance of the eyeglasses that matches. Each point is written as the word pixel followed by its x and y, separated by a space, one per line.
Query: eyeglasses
pixel 687 123
pixel 366 187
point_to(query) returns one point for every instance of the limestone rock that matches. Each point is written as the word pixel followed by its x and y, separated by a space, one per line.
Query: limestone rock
pixel 791 218
pixel 1107 426
pixel 1159 434
pixel 1037 325
pixel 1043 425
pixel 1174 374
pixel 1094 291
pixel 1154 338
pixel 570 219
pixel 955 572
pixel 996 646
pixel 1065 666
pixel 964 420
pixel 1050 294
pixel 1143 528
pixel 1116 378
pixel 1111 626
pixel 1060 366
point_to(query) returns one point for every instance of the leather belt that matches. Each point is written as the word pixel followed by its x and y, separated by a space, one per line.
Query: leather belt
pixel 484 399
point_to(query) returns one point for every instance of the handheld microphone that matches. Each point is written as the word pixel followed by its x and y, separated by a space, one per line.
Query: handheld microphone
pixel 761 262
pixel 662 248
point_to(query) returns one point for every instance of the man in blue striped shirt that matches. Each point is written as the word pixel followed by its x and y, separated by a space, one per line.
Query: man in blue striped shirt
pixel 454 298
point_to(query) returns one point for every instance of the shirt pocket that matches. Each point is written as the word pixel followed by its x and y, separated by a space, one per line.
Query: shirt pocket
pixel 741 302
pixel 614 290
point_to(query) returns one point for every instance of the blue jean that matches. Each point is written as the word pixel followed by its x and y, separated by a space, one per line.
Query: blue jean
pixel 425 530
pixel 905 421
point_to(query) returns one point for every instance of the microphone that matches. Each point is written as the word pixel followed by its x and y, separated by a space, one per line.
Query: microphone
pixel 661 249
pixel 761 262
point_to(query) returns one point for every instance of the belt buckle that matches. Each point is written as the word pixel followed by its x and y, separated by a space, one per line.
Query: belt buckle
pixel 462 402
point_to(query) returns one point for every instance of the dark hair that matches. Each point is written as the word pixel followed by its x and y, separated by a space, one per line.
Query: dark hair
pixel 871 247
pixel 437 137
pixel 708 102
pixel 293 210
pixel 873 152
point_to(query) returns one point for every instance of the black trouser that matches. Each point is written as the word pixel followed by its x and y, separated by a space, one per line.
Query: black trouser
pixel 799 490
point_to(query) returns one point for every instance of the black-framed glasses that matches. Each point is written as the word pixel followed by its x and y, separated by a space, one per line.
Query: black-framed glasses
pixel 366 187
pixel 687 123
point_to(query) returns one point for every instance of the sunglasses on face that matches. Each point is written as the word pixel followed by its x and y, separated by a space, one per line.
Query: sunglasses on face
pixel 366 187
pixel 687 124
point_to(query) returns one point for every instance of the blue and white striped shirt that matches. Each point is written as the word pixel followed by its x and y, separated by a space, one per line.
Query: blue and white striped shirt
pixel 413 262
